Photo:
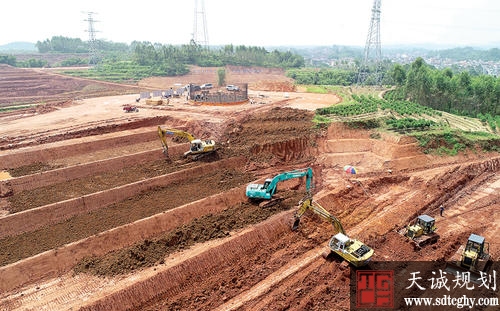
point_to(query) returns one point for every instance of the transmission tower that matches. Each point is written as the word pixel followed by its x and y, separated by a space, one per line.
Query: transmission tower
pixel 93 51
pixel 200 33
pixel 372 43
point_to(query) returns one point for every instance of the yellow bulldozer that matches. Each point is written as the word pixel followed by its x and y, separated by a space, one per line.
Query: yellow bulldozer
pixel 197 147
pixel 422 231
pixel 353 251
pixel 472 258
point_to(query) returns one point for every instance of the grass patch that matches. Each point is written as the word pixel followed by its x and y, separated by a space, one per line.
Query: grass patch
pixel 318 89
pixel 13 108
pixel 346 92
pixel 321 121
pixel 448 142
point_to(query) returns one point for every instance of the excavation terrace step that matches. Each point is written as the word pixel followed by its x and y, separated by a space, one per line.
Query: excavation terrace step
pixel 358 159
pixel 17 184
pixel 173 280
pixel 382 148
pixel 58 261
pixel 51 151
pixel 35 218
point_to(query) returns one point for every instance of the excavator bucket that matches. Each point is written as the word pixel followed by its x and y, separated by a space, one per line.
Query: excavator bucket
pixel 296 223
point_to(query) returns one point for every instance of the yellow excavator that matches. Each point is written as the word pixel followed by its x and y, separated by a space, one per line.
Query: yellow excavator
pixel 353 251
pixel 197 148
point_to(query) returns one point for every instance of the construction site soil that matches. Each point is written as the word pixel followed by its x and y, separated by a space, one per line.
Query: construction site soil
pixel 93 215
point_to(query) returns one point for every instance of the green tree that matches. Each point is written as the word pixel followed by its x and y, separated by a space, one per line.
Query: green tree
pixel 460 93
pixel 221 74
pixel 398 75
pixel 418 82
pixel 8 59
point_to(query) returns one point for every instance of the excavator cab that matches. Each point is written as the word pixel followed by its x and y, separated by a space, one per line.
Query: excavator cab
pixel 195 145
pixel 339 242
pixel 266 184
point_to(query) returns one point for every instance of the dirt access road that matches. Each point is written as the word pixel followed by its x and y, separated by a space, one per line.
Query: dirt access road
pixel 96 218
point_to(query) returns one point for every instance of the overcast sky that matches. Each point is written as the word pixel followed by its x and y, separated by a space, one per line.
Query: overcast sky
pixel 256 22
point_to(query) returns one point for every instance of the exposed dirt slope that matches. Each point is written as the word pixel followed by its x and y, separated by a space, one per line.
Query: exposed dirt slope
pixel 96 218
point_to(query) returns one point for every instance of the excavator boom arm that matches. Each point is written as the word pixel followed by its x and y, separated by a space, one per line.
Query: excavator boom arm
pixel 163 139
pixel 162 133
pixel 308 204
pixel 290 175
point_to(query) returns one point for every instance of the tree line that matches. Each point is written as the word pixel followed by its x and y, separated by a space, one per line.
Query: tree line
pixel 146 53
pixel 165 59
pixel 442 89
pixel 461 93
pixel 60 44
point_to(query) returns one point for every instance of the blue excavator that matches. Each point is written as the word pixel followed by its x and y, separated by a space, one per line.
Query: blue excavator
pixel 267 190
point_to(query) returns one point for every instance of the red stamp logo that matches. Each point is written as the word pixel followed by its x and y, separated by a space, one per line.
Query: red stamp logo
pixel 375 289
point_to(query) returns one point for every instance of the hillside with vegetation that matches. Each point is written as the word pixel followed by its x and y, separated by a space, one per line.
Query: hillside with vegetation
pixel 436 131
pixel 143 59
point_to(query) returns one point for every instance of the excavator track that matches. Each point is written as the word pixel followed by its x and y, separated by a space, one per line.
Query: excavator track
pixel 272 202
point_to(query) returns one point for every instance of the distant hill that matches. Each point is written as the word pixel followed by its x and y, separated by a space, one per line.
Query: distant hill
pixel 18 47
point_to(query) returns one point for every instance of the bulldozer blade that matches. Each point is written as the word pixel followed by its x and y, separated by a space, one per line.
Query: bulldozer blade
pixel 420 243
pixel 455 270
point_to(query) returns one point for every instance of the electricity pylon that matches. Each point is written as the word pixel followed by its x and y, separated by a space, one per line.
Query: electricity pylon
pixel 372 43
pixel 200 33
pixel 93 51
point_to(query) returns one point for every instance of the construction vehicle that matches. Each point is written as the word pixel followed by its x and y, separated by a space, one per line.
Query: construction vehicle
pixel 197 147
pixel 353 251
pixel 422 231
pixel 130 108
pixel 267 190
pixel 473 257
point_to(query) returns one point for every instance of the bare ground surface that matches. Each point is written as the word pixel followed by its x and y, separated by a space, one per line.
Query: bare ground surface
pixel 188 239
